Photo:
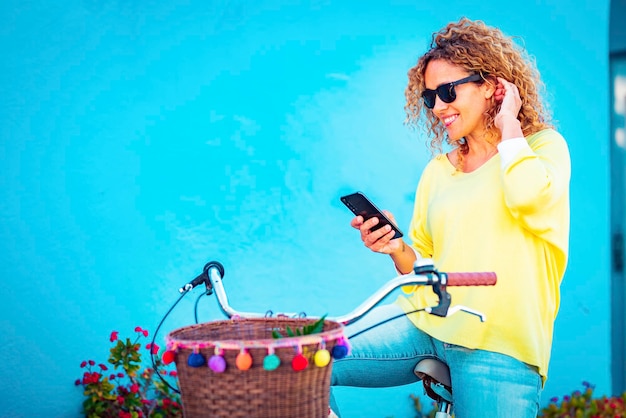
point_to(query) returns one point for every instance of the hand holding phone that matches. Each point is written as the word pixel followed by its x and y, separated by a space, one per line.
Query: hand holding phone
pixel 360 205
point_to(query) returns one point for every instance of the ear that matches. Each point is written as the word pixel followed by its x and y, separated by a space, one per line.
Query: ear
pixel 489 88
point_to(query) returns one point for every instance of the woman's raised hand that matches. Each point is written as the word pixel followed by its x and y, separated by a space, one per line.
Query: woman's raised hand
pixel 507 94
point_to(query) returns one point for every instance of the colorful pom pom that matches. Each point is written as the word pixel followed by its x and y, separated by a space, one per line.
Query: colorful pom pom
pixel 168 357
pixel 196 360
pixel 243 360
pixel 322 358
pixel 299 362
pixel 271 362
pixel 217 363
pixel 340 351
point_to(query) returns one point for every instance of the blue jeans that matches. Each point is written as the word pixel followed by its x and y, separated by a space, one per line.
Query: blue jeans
pixel 485 384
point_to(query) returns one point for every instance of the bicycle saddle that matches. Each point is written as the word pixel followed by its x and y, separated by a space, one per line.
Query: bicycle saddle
pixel 435 376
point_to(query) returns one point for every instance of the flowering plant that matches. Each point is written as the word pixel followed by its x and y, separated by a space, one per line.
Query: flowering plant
pixel 583 404
pixel 130 392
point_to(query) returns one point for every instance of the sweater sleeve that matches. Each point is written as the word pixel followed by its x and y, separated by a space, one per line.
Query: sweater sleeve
pixel 536 181
pixel 421 239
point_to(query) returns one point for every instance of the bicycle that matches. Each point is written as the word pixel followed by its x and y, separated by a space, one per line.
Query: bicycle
pixel 434 374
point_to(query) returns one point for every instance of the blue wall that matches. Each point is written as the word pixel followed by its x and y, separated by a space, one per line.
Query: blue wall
pixel 141 139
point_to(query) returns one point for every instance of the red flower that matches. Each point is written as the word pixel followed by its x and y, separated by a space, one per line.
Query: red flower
pixel 77 382
pixel 112 377
pixel 138 329
pixel 120 375
pixel 146 402
pixel 173 373
pixel 91 362
pixel 113 336
pixel 145 332
pixel 91 378
pixel 134 388
pixel 154 349
pixel 83 364
pixel 120 400
pixel 103 367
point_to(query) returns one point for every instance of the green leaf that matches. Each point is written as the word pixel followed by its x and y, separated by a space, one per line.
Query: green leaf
pixel 314 328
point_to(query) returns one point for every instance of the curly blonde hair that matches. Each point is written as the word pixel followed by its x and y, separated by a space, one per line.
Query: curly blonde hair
pixel 479 49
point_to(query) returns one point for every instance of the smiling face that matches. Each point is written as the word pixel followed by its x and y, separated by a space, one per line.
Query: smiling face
pixel 464 117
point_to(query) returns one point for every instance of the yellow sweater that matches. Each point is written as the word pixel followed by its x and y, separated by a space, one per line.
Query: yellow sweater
pixel 513 220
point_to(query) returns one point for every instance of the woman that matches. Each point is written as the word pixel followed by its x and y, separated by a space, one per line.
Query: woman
pixel 497 201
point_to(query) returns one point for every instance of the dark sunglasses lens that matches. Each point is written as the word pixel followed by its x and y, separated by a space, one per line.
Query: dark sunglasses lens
pixel 429 98
pixel 446 93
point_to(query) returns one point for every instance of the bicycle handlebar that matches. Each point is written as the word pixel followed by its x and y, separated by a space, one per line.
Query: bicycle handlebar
pixel 424 274
pixel 471 279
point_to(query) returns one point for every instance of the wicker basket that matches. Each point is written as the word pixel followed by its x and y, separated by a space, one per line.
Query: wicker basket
pixel 283 392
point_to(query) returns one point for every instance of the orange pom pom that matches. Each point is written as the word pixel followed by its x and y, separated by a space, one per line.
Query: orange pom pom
pixel 243 361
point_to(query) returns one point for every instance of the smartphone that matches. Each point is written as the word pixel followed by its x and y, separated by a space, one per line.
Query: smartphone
pixel 359 204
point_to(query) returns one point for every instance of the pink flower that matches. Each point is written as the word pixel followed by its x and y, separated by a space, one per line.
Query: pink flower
pixel 83 364
pixel 91 362
pixel 138 329
pixel 144 332
pixel 120 375
pixel 173 373
pixel 134 388
pixel 103 367
pixel 113 336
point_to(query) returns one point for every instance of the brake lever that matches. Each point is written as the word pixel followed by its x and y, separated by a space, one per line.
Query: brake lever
pixel 444 301
pixel 444 310
pixel 461 308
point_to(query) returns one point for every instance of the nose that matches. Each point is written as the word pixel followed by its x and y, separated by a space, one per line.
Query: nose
pixel 439 105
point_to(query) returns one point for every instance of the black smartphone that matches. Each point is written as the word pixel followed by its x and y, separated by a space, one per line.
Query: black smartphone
pixel 359 204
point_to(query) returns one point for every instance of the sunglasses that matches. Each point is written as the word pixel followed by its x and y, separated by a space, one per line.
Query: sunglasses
pixel 446 92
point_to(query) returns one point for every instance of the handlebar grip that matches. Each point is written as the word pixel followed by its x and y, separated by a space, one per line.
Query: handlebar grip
pixel 472 279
